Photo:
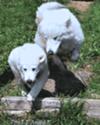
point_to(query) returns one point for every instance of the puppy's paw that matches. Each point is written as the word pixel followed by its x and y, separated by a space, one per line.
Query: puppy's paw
pixel 30 98
pixel 23 93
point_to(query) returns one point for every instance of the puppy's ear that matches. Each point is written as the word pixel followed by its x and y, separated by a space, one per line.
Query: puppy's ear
pixel 41 59
pixel 68 23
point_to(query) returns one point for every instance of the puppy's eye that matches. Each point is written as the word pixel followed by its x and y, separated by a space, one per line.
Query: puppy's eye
pixel 25 69
pixel 33 69
pixel 40 57
pixel 55 38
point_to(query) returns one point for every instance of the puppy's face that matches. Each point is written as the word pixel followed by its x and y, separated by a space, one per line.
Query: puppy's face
pixel 30 71
pixel 31 63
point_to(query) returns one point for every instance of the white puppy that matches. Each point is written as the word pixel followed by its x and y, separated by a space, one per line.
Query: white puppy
pixel 58 27
pixel 29 65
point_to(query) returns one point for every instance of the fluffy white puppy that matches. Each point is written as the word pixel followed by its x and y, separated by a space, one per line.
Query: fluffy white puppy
pixel 57 28
pixel 29 65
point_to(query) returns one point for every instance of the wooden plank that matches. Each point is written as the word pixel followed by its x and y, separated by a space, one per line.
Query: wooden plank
pixel 16 103
pixel 92 108
pixel 47 112
pixel 18 113
pixel 48 105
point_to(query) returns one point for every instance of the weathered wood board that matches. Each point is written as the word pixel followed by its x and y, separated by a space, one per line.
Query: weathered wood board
pixel 20 105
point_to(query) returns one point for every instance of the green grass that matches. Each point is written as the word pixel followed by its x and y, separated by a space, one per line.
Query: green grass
pixel 68 116
pixel 91 50
pixel 17 26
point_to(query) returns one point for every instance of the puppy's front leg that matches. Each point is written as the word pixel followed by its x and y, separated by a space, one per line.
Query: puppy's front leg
pixel 38 85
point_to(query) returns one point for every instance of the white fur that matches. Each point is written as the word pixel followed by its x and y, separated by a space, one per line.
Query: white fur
pixel 57 21
pixel 26 62
pixel 44 7
pixel 54 44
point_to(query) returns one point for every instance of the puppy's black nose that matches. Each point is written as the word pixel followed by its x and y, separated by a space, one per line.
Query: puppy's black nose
pixel 50 52
pixel 29 81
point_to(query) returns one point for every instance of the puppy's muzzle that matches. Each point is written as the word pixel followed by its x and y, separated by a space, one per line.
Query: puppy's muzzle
pixel 50 52
pixel 30 82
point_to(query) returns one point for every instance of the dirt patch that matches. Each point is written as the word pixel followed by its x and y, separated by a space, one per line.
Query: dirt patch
pixel 80 5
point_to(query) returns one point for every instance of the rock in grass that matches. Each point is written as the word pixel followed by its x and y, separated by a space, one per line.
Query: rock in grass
pixel 84 76
pixel 51 103
pixel 50 86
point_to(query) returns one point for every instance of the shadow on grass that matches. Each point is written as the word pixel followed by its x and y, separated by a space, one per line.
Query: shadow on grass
pixel 5 77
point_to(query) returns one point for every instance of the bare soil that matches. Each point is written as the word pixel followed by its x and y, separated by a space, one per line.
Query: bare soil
pixel 80 5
